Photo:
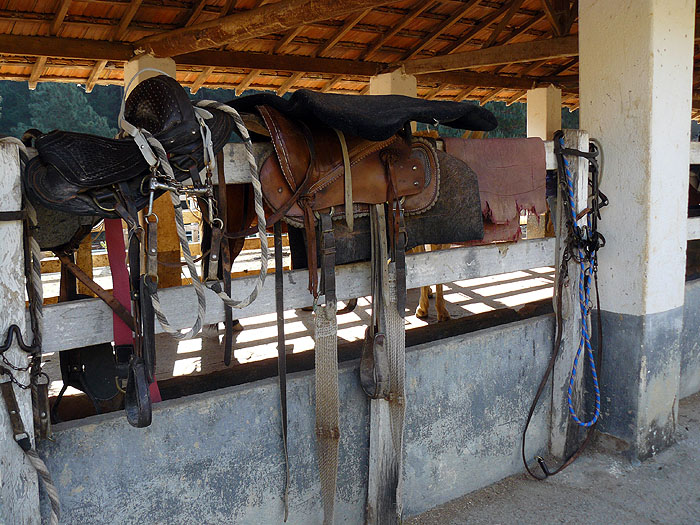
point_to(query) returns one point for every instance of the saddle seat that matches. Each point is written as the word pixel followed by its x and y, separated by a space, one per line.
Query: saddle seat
pixel 77 173
pixel 309 164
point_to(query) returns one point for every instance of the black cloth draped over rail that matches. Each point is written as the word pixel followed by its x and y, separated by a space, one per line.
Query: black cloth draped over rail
pixel 372 117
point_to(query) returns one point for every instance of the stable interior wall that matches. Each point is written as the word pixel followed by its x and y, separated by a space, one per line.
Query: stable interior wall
pixel 217 457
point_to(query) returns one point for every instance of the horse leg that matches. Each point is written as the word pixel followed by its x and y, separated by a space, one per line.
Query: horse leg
pixel 424 303
pixel 442 313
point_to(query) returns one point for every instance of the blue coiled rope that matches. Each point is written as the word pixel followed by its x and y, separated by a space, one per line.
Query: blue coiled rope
pixel 587 264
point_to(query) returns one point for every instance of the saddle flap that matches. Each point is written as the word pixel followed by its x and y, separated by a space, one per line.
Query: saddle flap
pixel 282 176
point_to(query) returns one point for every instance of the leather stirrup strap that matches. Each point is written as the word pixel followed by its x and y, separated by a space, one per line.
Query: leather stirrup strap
pixel 349 212
pixel 326 363
pixel 281 356
pixel 225 258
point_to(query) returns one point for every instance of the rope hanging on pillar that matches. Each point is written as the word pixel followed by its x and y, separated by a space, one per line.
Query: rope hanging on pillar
pixel 581 245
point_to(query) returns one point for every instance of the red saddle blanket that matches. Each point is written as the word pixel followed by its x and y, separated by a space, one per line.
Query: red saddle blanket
pixel 511 175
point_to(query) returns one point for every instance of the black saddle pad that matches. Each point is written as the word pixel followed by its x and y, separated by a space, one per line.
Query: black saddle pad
pixel 373 117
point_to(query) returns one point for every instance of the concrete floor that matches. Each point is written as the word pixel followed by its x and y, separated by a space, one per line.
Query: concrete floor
pixel 599 487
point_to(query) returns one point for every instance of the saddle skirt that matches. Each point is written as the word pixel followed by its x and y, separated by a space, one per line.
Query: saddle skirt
pixel 77 173
pixel 309 164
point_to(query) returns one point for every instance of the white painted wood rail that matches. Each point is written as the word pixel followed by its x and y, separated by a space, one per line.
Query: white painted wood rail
pixel 89 321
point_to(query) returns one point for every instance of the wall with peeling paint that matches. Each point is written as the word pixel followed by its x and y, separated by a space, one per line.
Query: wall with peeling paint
pixel 217 457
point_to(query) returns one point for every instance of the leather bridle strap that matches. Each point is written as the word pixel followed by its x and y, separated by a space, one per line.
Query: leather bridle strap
pixel 281 356
pixel 225 259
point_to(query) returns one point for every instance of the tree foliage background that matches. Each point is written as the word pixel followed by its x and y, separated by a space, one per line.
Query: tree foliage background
pixel 68 107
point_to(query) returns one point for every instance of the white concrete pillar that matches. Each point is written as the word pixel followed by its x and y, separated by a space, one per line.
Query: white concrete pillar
pixel 394 83
pixel 19 489
pixel 543 112
pixel 168 242
pixel 636 64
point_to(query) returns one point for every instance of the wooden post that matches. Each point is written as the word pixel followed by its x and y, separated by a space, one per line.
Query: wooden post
pixel 564 432
pixel 19 489
pixel 168 241
pixel 83 259
pixel 385 477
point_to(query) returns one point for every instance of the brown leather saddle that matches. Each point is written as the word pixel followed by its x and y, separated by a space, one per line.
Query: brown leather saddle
pixel 319 170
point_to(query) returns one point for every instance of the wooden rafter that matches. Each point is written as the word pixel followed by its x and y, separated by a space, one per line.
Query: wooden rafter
pixel 287 38
pixel 485 80
pixel 95 75
pixel 247 81
pixel 289 83
pixel 37 71
pixel 464 93
pixel 483 24
pixel 196 11
pixel 123 25
pixel 61 11
pixel 201 79
pixel 491 96
pixel 347 27
pixel 502 24
pixel 332 82
pixel 432 93
pixel 271 18
pixel 561 15
pixel 561 69
pixel 407 19
pixel 493 56
pixel 518 95
pixel 522 29
pixel 441 28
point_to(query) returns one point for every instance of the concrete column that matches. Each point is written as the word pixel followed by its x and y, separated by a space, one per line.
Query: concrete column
pixel 635 83
pixel 394 83
pixel 168 242
pixel 543 112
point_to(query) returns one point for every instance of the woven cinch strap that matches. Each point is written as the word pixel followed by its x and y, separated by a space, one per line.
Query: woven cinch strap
pixel 326 362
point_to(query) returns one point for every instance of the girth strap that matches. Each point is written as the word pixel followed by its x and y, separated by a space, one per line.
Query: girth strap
pixel 281 356
pixel 326 363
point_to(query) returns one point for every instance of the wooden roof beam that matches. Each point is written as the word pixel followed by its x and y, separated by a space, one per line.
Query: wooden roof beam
pixel 561 15
pixel 459 97
pixel 247 81
pixel 522 29
pixel 497 55
pixel 123 25
pixel 483 24
pixel 78 49
pixel 287 38
pixel 201 79
pixel 407 19
pixel 512 100
pixel 60 15
pixel 442 27
pixel 491 96
pixel 347 27
pixel 332 82
pixel 194 14
pixel 265 20
pixel 289 83
pixel 95 75
pixel 431 94
pixel 37 71
pixel 502 24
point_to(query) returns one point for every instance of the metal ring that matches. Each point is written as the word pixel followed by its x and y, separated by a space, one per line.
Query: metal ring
pixel 218 221
pixel 97 203
pixel 147 216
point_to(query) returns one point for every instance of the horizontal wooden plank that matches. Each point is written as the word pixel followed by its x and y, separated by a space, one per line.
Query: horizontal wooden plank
pixel 695 153
pixel 693 228
pixel 89 322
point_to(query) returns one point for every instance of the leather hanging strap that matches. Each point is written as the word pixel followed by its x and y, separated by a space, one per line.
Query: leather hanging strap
pixel 349 214
pixel 281 356
pixel 326 366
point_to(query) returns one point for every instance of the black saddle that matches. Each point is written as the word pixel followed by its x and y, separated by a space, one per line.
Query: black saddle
pixel 86 174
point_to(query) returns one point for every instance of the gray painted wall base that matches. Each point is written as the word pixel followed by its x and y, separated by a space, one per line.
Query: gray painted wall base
pixel 216 457
pixel 640 379
pixel 690 341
